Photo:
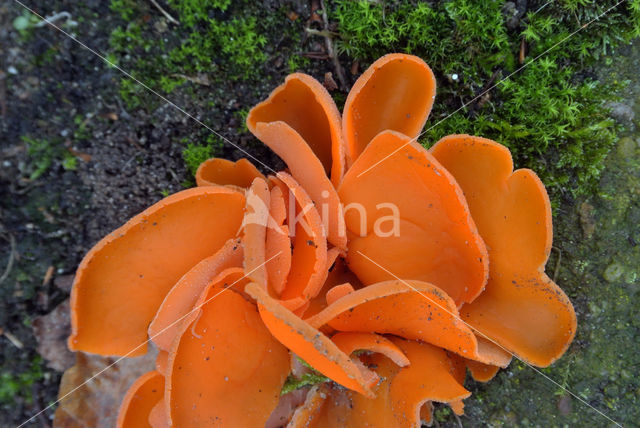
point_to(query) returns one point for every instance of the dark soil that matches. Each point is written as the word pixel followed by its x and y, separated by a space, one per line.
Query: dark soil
pixel 51 89
pixel 55 219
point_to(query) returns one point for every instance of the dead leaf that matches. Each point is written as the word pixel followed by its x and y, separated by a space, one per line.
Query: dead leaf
pixel 329 83
pixel 64 282
pixel 82 156
pixel 51 332
pixel 287 405
pixel 355 67
pixel 200 79
pixel 96 403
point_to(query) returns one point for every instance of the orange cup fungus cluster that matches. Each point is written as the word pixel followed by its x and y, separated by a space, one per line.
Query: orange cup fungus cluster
pixel 386 267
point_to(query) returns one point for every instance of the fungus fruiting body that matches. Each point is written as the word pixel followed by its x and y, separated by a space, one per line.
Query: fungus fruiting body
pixel 389 269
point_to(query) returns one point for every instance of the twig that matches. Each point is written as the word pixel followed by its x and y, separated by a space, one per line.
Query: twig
pixel 3 95
pixel 48 275
pixel 199 80
pixel 458 420
pixel 323 33
pixel 164 12
pixel 557 268
pixel 35 393
pixel 12 252
pixel 56 17
pixel 485 91
pixel 523 51
pixel 314 55
pixel 16 342
pixel 328 38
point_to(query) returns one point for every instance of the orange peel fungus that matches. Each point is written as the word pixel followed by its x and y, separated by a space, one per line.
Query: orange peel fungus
pixel 389 269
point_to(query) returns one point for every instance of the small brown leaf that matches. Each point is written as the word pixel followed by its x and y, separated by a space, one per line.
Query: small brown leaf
pixel 51 332
pixel 63 282
pixel 329 83
pixel 355 67
pixel 96 403
pixel 83 156
pixel 112 116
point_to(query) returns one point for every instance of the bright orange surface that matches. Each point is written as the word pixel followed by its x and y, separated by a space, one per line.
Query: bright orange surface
pixel 521 308
pixel 307 170
pixel 309 258
pixel 141 397
pixel 410 309
pixel 122 281
pixel 427 378
pixel 308 343
pixel 226 369
pixel 351 342
pixel 436 241
pixel 306 106
pixel 183 296
pixel 278 245
pixel 254 234
pixel 395 93
pixel 218 171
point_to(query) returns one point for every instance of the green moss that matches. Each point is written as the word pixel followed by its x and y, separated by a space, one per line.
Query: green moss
pixel 308 379
pixel 194 154
pixel 223 40
pixel 13 385
pixel 599 273
pixel 218 56
pixel 69 162
pixel 126 8
pixel 236 40
pixel 297 63
pixel 549 114
pixel 191 12
pixel 43 154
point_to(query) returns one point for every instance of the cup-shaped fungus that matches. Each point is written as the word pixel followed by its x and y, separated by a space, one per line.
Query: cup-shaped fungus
pixel 388 268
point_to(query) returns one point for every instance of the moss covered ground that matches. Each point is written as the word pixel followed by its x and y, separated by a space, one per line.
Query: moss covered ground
pixel 549 111
pixel 224 56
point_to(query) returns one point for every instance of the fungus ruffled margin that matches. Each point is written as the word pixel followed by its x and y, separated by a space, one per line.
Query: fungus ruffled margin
pixel 227 328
